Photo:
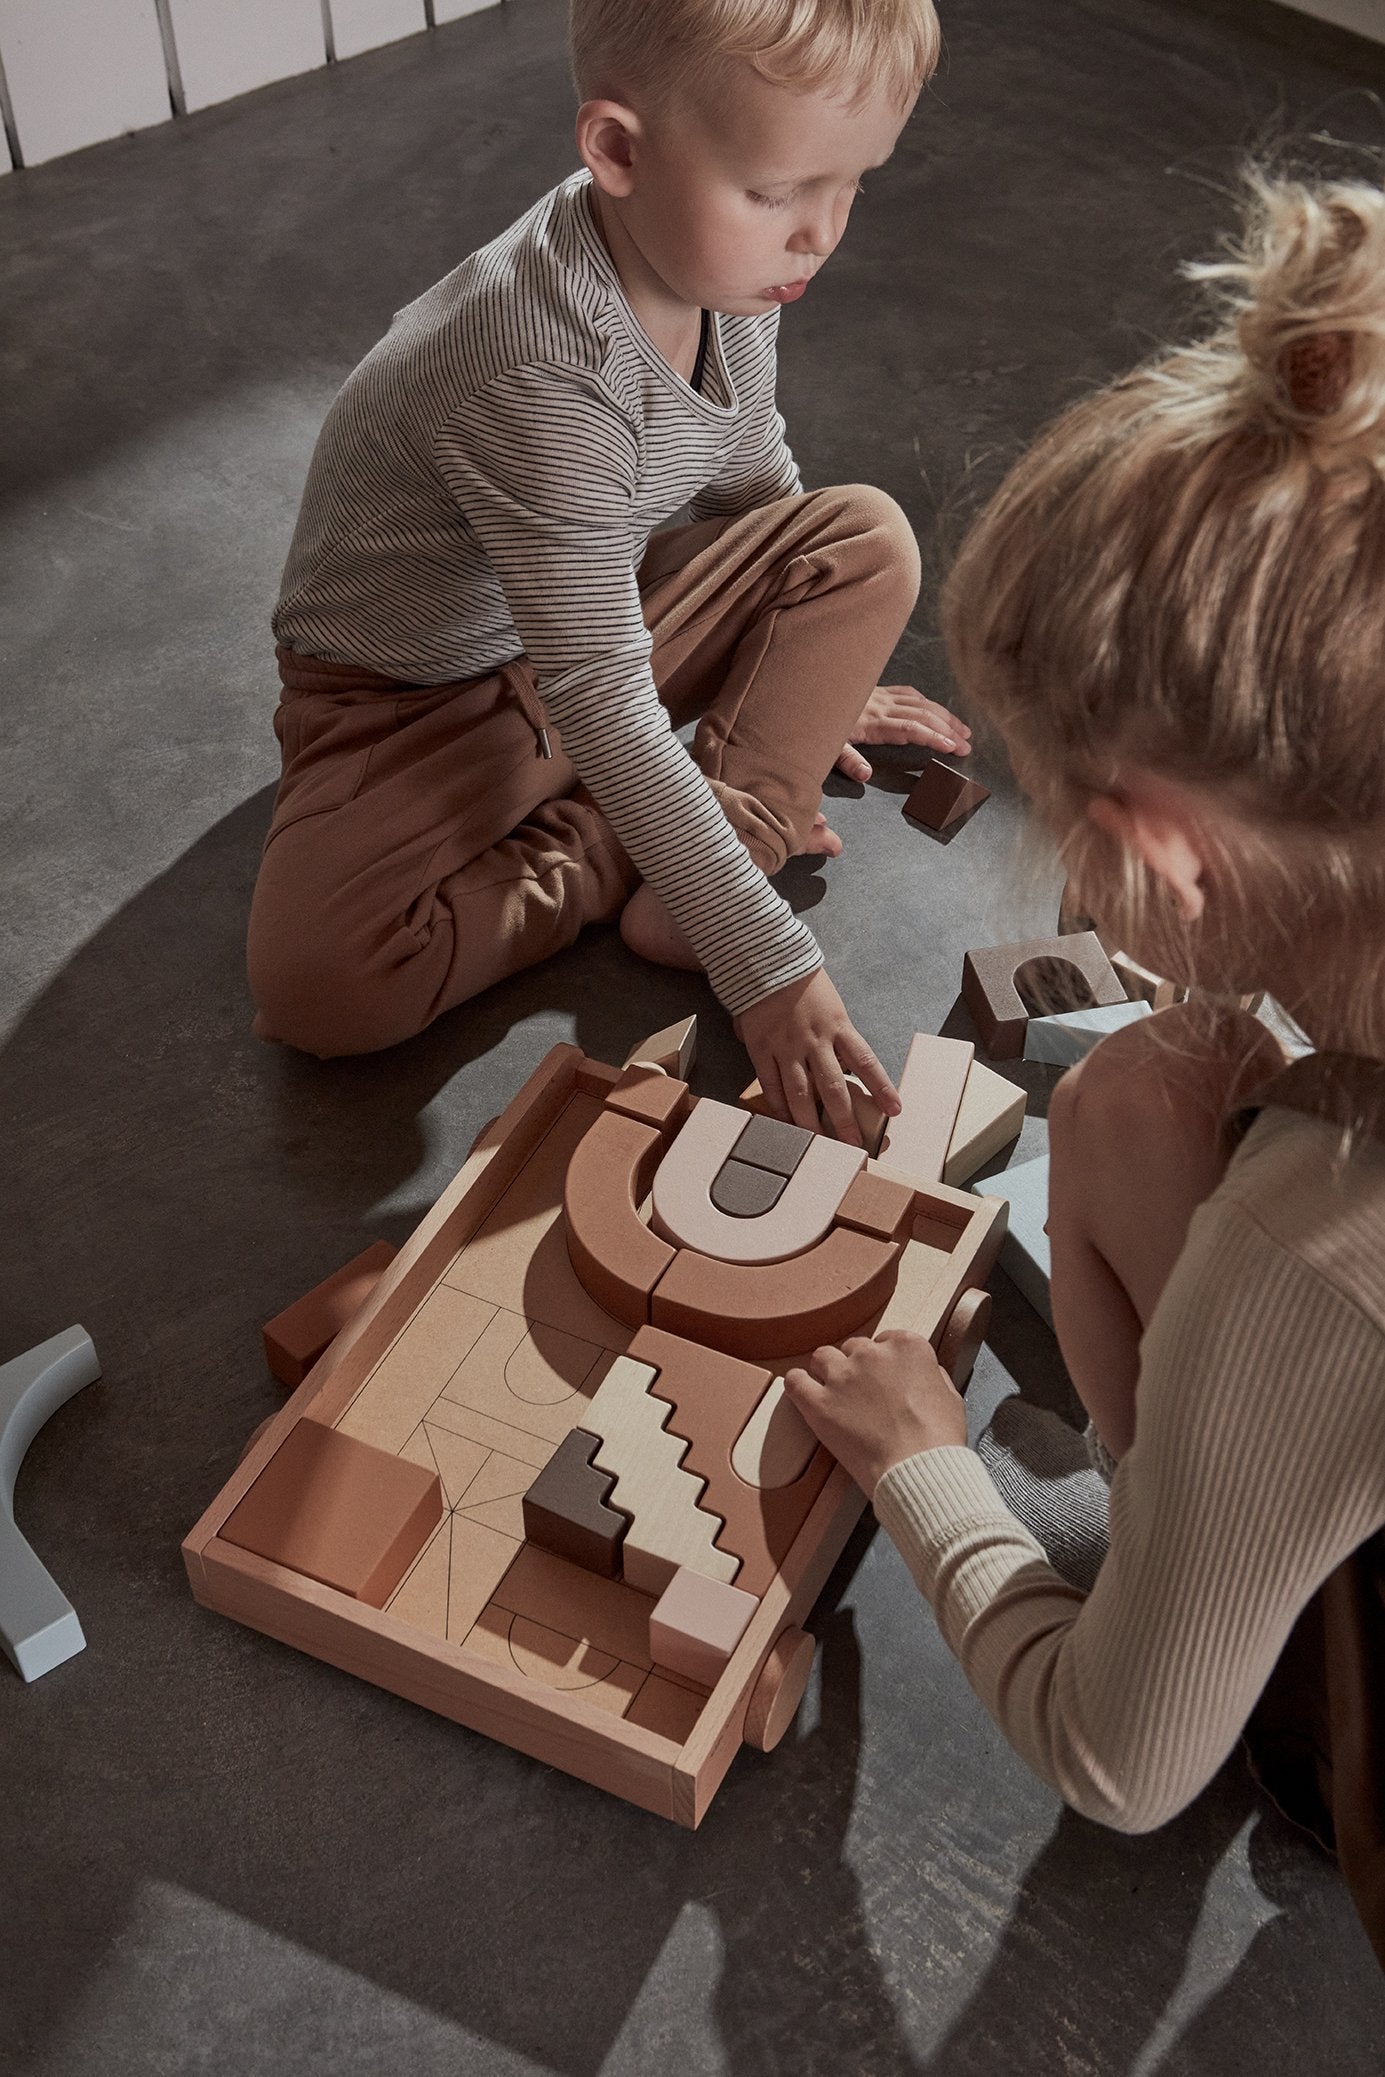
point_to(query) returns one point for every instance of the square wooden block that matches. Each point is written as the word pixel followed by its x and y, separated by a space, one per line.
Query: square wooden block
pixel 339 1511
pixel 697 1624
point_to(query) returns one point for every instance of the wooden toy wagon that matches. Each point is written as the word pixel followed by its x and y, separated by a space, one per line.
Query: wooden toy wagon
pixel 545 1482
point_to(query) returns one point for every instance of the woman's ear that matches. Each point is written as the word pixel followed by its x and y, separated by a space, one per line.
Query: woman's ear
pixel 607 136
pixel 1158 827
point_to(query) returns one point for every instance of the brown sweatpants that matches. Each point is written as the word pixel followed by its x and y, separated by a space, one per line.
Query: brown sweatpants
pixel 421 846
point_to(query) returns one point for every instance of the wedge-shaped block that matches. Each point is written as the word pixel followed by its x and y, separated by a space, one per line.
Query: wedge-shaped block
pixel 339 1511
pixel 673 1049
pixel 930 1089
pixel 616 1257
pixel 1143 986
pixel 942 796
pixel 1024 1253
pixel 776 1308
pixel 682 1208
pixel 566 1508
pixel 1005 985
pixel 990 1114
pixel 669 1526
pixel 296 1337
pixel 1063 1040
pixel 697 1624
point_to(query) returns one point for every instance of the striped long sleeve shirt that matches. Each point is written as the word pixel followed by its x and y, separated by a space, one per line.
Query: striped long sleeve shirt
pixel 1258 1466
pixel 484 487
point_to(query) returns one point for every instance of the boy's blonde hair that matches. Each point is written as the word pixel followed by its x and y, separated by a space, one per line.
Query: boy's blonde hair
pixel 1186 576
pixel 625 47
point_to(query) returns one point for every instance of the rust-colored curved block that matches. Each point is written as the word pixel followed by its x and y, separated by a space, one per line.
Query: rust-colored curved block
pixel 776 1308
pixel 616 1257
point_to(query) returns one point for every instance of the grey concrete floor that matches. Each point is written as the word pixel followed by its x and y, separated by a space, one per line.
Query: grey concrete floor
pixel 214 1853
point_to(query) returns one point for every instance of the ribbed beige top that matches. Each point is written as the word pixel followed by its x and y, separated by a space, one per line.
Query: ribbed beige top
pixel 1258 1465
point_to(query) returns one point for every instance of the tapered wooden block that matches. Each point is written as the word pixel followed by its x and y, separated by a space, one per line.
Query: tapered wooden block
pixel 296 1337
pixel 697 1624
pixel 339 1511
pixel 1063 1040
pixel 1141 985
pixel 942 796
pixel 1005 985
pixel 616 1257
pixel 673 1049
pixel 567 1510
pixel 989 1116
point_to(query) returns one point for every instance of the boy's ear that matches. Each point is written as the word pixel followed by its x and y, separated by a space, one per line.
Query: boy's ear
pixel 1161 831
pixel 608 135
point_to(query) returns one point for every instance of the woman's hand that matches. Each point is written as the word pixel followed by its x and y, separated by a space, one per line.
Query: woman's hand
pixel 874 1403
pixel 803 1045
pixel 899 714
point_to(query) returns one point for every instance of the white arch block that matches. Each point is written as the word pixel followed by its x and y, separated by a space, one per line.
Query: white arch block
pixel 682 1208
pixel 38 1624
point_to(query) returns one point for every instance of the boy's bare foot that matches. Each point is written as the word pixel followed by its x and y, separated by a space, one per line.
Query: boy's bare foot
pixel 649 930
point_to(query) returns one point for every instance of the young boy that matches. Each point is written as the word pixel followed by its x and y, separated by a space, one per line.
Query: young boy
pixel 484 655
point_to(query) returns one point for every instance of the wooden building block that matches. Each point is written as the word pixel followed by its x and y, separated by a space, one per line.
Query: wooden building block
pixel 1063 1040
pixel 877 1204
pixel 296 1337
pixel 697 1624
pixel 562 1596
pixel 682 1208
pixel 759 1309
pixel 743 1192
pixel 990 1114
pixel 554 1659
pixel 716 1404
pixel 1005 985
pixel 1025 1255
pixel 772 1144
pixel 1141 985
pixel 870 1119
pixel 566 1510
pixel 669 1526
pixel 652 1097
pixel 348 1515
pixel 617 1258
pixel 527 1379
pixel 776 1445
pixel 674 1049
pixel 916 1143
pixel 942 796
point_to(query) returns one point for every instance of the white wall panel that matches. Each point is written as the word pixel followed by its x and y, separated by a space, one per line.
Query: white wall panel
pixel 81 70
pixel 1367 17
pixel 226 47
pixel 361 24
pixel 449 10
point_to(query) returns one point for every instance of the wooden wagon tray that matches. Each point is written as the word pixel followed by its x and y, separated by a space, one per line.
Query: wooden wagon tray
pixel 475 1356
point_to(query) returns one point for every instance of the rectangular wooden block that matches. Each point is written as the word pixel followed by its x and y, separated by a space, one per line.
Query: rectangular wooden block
pixel 339 1511
pixel 296 1337
pixel 916 1143
pixel 1063 1040
pixel 990 1114
pixel 1025 1255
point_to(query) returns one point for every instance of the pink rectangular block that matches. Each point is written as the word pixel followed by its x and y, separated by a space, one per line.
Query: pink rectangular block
pixel 697 1624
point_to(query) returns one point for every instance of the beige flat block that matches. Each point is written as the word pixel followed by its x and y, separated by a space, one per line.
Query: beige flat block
pixel 496 1494
pixel 409 1377
pixel 420 1599
pixel 481 1557
pixel 455 1460
pixel 776 1444
pixel 533 1450
pixel 552 1591
pixel 916 1143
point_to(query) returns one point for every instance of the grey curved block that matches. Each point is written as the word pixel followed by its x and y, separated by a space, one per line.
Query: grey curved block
pixel 38 1624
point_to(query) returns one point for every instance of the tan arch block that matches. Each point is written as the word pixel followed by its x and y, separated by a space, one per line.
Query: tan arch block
pixel 772 1309
pixel 616 1257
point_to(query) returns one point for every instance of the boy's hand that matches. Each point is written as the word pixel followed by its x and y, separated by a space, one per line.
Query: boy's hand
pixel 874 1403
pixel 802 1043
pixel 899 714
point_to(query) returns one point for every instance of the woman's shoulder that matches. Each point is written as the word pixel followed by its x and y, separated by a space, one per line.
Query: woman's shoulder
pixel 1318 1200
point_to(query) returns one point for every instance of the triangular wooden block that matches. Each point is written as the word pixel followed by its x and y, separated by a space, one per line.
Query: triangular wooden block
pixel 942 796
pixel 673 1049
pixel 499 1478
